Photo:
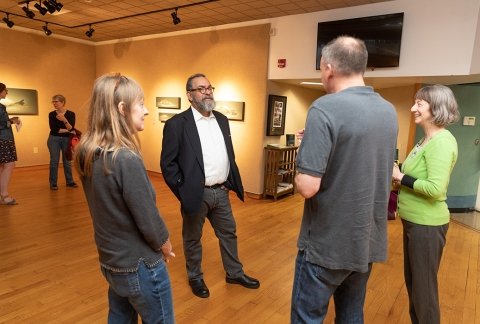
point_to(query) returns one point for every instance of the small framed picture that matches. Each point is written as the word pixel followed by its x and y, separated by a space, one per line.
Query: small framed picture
pixel 163 116
pixel 277 108
pixel 168 102
pixel 234 110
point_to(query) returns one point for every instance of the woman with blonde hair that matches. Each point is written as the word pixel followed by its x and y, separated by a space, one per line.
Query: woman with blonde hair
pixel 132 239
pixel 423 181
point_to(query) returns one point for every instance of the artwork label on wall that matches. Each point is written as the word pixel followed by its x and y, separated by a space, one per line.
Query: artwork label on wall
pixel 168 102
pixel 21 101
pixel 234 110
pixel 277 109
pixel 163 116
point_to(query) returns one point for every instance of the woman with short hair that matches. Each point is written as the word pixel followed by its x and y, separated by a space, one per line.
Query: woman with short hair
pixel 423 181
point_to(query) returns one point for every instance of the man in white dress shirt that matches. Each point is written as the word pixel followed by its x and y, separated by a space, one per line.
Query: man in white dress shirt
pixel 198 164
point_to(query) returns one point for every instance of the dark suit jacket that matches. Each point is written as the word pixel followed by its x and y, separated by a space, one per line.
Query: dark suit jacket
pixel 181 160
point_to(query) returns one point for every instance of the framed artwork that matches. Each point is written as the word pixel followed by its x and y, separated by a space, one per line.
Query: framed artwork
pixel 21 101
pixel 277 109
pixel 163 116
pixel 168 102
pixel 234 110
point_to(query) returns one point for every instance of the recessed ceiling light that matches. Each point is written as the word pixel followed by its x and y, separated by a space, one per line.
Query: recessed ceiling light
pixel 311 83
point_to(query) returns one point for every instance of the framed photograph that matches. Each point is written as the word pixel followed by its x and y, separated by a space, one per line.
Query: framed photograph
pixel 163 116
pixel 277 109
pixel 21 102
pixel 168 102
pixel 234 110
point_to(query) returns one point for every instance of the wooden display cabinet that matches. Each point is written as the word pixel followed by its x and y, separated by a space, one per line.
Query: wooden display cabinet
pixel 279 170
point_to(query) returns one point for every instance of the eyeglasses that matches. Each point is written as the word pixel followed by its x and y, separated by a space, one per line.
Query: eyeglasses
pixel 203 90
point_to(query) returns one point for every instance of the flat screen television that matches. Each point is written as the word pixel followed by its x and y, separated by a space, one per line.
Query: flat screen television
pixel 382 36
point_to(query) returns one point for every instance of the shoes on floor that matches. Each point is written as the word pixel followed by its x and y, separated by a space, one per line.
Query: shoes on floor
pixel 7 200
pixel 199 288
pixel 245 281
pixel 72 185
pixel 53 187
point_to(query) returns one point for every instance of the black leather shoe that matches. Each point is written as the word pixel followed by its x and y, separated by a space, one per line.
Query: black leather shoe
pixel 245 281
pixel 199 288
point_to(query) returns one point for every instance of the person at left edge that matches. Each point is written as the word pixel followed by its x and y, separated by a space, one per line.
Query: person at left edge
pixel 62 122
pixel 198 164
pixel 8 152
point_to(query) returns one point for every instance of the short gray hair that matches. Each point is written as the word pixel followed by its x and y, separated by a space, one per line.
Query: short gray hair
pixel 347 55
pixel 442 103
pixel 190 80
pixel 59 97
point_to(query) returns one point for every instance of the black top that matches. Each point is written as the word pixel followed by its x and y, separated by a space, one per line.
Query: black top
pixel 56 125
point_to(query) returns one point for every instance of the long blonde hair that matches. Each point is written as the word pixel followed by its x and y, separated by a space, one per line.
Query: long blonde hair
pixel 108 128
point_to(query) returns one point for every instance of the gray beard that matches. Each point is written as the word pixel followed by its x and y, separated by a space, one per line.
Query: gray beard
pixel 206 106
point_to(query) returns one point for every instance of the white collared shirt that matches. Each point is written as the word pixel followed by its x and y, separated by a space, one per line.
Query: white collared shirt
pixel 215 157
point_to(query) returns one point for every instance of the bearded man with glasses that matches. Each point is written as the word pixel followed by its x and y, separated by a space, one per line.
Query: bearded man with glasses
pixel 198 164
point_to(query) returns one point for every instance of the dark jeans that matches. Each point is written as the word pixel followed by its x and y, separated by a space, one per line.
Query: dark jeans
pixel 314 285
pixel 422 252
pixel 216 207
pixel 146 292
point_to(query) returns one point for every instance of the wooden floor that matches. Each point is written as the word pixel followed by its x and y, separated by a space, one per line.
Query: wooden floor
pixel 49 271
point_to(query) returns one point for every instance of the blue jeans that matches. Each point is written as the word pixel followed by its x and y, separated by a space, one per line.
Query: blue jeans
pixel 57 145
pixel 314 285
pixel 146 292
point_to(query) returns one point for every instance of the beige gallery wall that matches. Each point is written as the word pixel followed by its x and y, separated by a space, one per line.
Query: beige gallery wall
pixel 50 66
pixel 234 60
pixel 402 99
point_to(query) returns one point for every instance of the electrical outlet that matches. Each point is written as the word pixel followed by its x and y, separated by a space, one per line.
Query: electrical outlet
pixel 35 150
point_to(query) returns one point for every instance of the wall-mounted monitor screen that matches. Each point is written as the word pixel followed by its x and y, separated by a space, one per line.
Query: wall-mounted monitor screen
pixel 382 36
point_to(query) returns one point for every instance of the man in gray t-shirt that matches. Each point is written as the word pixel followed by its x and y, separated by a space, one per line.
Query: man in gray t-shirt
pixel 344 169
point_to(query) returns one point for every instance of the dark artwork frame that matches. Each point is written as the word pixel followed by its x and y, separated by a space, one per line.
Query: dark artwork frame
pixel 277 109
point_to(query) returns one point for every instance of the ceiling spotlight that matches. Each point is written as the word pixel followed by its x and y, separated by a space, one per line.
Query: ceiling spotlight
pixel 8 22
pixel 47 31
pixel 175 18
pixel 40 9
pixel 90 31
pixel 30 14
pixel 51 9
pixel 56 4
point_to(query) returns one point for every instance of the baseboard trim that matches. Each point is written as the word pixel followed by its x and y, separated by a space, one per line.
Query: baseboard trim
pixel 461 210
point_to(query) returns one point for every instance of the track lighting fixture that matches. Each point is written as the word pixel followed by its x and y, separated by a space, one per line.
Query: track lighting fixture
pixel 57 5
pixel 90 31
pixel 9 23
pixel 40 9
pixel 175 18
pixel 30 14
pixel 47 31
pixel 51 9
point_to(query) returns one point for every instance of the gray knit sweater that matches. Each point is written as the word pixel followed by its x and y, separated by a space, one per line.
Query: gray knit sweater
pixel 128 227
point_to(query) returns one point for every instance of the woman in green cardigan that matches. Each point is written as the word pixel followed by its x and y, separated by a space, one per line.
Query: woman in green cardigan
pixel 423 182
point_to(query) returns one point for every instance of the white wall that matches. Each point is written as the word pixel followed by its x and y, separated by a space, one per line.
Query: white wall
pixel 440 32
